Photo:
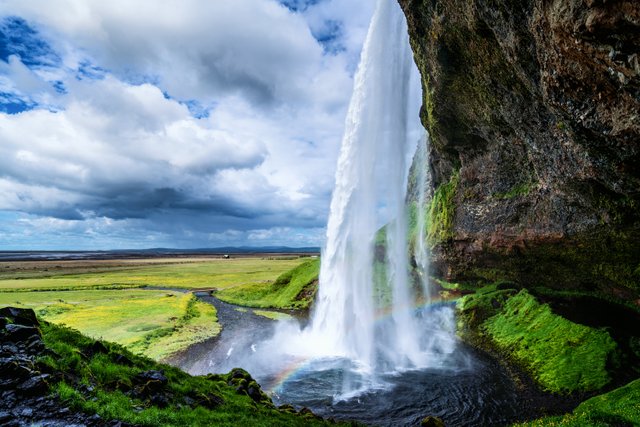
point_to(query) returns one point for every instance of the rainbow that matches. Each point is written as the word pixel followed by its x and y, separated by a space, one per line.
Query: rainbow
pixel 382 314
pixel 297 365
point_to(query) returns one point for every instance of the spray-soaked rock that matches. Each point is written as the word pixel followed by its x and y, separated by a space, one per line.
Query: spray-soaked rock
pixel 532 108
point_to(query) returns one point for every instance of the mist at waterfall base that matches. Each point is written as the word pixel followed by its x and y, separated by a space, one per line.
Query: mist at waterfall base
pixel 369 351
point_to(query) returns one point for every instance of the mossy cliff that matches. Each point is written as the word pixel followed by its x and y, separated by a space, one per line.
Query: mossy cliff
pixel 533 108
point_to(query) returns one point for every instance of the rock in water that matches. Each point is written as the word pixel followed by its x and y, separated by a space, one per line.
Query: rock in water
pixel 432 422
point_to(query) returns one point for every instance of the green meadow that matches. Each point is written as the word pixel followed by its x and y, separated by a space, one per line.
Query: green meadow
pixel 144 305
pixel 194 274
pixel 293 289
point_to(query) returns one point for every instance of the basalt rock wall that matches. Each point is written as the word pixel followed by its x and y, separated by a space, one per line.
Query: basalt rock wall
pixel 533 108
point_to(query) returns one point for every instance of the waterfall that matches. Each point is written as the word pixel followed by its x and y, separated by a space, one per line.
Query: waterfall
pixel 371 179
pixel 368 326
pixel 421 251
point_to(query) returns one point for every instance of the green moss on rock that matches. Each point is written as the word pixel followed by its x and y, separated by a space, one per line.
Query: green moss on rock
pixel 562 356
pixel 441 212
pixel 620 407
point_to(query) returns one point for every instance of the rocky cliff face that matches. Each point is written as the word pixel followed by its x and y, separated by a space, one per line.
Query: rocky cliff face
pixel 533 107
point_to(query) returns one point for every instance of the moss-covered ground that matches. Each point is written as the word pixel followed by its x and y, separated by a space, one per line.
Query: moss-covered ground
pixel 562 356
pixel 103 378
pixel 293 289
pixel 620 407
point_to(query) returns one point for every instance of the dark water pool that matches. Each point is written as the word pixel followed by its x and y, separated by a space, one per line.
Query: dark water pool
pixel 477 392
pixel 480 395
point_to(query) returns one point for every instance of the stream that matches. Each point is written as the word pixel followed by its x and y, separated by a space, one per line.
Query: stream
pixel 470 389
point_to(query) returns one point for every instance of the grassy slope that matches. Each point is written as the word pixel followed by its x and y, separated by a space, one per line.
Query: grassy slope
pixel 620 407
pixel 150 322
pixel 215 273
pixel 284 292
pixel 561 355
pixel 95 383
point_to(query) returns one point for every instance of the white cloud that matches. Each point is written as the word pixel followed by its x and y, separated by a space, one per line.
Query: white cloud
pixel 126 146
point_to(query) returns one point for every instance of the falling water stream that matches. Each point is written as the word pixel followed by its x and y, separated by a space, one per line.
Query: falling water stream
pixel 370 191
pixel 376 348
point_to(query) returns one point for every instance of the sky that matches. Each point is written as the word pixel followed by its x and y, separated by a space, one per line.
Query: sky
pixel 173 123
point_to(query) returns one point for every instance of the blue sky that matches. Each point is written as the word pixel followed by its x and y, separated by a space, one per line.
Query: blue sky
pixel 176 124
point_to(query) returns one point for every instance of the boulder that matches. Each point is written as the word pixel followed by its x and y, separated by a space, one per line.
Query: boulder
pixel 34 386
pixel 432 422
pixel 20 316
pixel 16 333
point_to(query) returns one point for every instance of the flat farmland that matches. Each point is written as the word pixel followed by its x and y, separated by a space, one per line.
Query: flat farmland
pixel 189 273
pixel 145 305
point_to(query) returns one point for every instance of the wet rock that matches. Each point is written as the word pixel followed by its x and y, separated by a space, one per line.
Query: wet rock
pixel 149 382
pixel 121 359
pixel 24 386
pixel 20 316
pixel 159 400
pixel 432 422
pixel 533 106
pixel 287 408
pixel 20 333
pixel 14 369
pixel 26 412
pixel 34 385
pixel 97 347
pixel 8 349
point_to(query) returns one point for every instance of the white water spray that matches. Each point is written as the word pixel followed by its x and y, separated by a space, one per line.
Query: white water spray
pixel 353 342
pixel 370 191
pixel 421 250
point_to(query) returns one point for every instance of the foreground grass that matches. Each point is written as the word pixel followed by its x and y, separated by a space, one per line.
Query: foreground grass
pixel 293 289
pixel 150 322
pixel 620 407
pixel 101 378
pixel 211 273
pixel 562 356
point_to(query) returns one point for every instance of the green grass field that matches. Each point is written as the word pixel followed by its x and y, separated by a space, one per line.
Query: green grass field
pixel 104 300
pixel 212 273
pixel 287 291
pixel 150 322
